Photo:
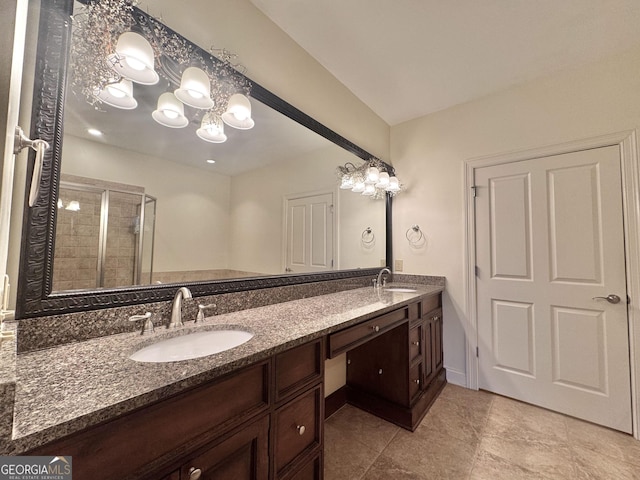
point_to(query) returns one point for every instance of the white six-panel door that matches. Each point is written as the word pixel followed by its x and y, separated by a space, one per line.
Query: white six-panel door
pixel 309 233
pixel 549 238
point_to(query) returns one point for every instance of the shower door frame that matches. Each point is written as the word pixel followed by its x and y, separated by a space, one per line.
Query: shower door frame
pixel 105 192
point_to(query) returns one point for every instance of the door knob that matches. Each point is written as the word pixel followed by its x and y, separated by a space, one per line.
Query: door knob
pixel 611 298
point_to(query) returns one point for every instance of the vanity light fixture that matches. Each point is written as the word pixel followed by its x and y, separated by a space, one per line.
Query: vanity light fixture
pixel 369 190
pixel 134 59
pixel 373 178
pixel 238 113
pixel 394 185
pixel 118 94
pixel 358 186
pixel 94 131
pixel 383 180
pixel 373 175
pixel 146 50
pixel 212 129
pixel 170 112
pixel 211 161
pixel 195 89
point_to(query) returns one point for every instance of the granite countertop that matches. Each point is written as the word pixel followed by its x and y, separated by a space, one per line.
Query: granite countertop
pixel 65 389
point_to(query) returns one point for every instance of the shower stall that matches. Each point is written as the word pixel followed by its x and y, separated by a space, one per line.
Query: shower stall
pixel 104 235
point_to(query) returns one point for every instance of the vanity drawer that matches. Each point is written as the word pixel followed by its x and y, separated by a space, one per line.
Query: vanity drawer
pixel 297 430
pixel 124 446
pixel 416 343
pixel 298 367
pixel 351 337
pixel 431 303
pixel 416 378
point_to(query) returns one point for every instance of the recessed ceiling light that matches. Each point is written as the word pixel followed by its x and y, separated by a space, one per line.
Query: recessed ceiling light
pixel 211 161
pixel 95 132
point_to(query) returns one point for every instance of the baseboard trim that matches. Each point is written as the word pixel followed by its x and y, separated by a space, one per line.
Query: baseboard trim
pixel 335 401
pixel 456 377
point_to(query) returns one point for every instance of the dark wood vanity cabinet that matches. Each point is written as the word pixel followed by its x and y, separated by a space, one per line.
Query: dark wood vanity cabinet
pixel 398 373
pixel 244 455
pixel 258 423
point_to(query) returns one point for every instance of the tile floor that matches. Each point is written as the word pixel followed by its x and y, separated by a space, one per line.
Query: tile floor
pixel 476 435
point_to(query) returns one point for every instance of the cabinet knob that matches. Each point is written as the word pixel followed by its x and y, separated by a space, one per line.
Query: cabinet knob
pixel 194 473
pixel 376 328
pixel 417 381
pixel 436 317
pixel 380 372
pixel 300 429
pixel 416 343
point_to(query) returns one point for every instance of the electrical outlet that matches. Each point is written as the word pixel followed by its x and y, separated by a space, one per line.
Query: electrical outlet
pixel 397 266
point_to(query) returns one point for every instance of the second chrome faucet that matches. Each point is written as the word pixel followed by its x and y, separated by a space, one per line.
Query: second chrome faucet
pixel 176 307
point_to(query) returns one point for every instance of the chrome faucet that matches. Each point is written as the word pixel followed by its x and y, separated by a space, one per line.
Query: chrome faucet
pixel 176 308
pixel 379 282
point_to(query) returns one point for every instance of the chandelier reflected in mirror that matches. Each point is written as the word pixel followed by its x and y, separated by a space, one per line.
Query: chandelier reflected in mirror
pixel 373 178
pixel 117 48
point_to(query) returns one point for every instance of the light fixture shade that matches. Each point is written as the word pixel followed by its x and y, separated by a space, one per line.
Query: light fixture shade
pixel 347 182
pixel 134 59
pixel 238 114
pixel 383 180
pixel 119 95
pixel 373 174
pixel 170 112
pixel 212 129
pixel 369 190
pixel 195 89
pixel 394 185
pixel 358 186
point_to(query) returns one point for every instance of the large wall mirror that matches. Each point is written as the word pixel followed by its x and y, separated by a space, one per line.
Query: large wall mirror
pixel 128 209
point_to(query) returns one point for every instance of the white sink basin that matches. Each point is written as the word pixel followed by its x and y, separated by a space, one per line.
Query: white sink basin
pixel 193 345
pixel 400 289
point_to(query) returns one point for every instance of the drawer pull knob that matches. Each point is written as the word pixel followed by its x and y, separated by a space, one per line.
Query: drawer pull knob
pixel 436 317
pixel 380 372
pixel 416 343
pixel 300 429
pixel 417 381
pixel 376 328
pixel 194 473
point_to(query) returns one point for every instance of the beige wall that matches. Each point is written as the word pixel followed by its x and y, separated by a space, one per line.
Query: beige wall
pixel 429 155
pixel 257 212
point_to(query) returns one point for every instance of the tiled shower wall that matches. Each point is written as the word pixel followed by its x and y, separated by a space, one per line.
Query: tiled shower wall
pixel 78 236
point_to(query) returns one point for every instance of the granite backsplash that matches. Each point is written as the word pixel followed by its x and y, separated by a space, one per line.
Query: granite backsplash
pixel 46 332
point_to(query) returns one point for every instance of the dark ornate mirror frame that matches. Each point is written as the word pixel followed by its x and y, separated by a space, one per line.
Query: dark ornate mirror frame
pixel 38 233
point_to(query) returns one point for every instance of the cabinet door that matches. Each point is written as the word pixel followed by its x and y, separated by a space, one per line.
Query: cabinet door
pixel 242 456
pixel 437 340
pixel 428 341
pixel 312 470
pixel 380 366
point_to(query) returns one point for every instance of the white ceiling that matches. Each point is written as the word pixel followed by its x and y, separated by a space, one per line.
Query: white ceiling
pixel 408 58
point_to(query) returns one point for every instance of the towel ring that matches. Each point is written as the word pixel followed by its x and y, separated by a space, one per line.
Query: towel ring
pixel 415 236
pixel 368 237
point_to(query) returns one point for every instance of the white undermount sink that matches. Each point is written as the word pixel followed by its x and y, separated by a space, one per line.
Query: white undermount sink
pixel 190 346
pixel 400 289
